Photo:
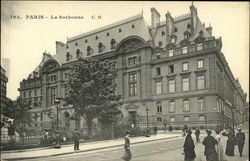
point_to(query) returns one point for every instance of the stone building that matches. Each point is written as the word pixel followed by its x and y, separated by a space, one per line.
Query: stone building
pixel 174 68
pixel 4 81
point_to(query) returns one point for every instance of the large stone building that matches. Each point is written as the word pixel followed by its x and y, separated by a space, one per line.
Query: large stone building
pixel 4 81
pixel 174 66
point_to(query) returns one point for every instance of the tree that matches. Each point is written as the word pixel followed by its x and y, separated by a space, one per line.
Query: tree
pixel 17 110
pixel 91 90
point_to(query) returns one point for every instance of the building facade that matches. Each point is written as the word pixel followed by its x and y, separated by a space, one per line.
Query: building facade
pixel 174 68
pixel 4 81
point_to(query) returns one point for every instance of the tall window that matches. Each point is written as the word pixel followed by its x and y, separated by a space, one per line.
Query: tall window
pixel 159 119
pixel 201 104
pixel 41 116
pixel 24 94
pixel 172 106
pixel 171 86
pixel 89 50
pixel 186 118
pixel 173 40
pixel 158 55
pixel 158 71
pixel 159 107
pixel 41 91
pixel 29 93
pixel 199 46
pixel 53 95
pixel 171 68
pixel 132 60
pixel 133 84
pixel 185 66
pixel 35 93
pixel 186 105
pixel 172 119
pixel 53 78
pixel 68 56
pixel 101 47
pixel 202 118
pixel 200 63
pixel 171 53
pixel 112 43
pixel 158 87
pixel 184 50
pixel 185 84
pixel 200 82
pixel 78 53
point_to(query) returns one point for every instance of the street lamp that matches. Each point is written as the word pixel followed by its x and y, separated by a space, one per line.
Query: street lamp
pixel 144 103
pixel 57 102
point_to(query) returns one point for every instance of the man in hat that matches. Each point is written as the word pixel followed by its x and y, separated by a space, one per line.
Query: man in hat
pixel 240 138
pixel 210 142
pixel 189 147
pixel 76 138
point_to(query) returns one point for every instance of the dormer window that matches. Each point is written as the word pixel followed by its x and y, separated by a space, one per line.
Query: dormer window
pixel 175 29
pixel 68 56
pixel 86 41
pixel 199 46
pixel 160 44
pixel 96 37
pixel 184 50
pixel 173 39
pixel 158 55
pixel 187 35
pixel 133 26
pixel 76 44
pixel 201 33
pixel 78 52
pixel 89 50
pixel 188 26
pixel 162 33
pixel 107 34
pixel 100 47
pixel 67 46
pixel 113 43
pixel 170 53
pixel 120 30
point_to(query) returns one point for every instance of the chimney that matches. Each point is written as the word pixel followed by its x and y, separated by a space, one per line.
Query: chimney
pixel 169 25
pixel 46 56
pixel 209 29
pixel 155 17
pixel 194 17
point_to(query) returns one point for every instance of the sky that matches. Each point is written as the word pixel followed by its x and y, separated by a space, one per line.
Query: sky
pixel 23 41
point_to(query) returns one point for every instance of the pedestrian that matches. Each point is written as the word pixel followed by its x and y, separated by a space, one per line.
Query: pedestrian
pixel 76 138
pixel 231 142
pixel 155 130
pixel 240 138
pixel 189 147
pixel 219 147
pixel 127 154
pixel 210 142
pixel 197 135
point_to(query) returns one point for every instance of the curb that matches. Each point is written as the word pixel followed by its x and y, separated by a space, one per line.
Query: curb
pixel 81 151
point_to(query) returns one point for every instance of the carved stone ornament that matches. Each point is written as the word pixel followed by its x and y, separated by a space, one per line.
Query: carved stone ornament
pixel 51 66
pixel 200 39
pixel 184 42
pixel 130 45
pixel 170 46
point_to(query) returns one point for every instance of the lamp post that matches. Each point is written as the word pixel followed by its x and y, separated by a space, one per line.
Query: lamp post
pixel 57 102
pixel 144 103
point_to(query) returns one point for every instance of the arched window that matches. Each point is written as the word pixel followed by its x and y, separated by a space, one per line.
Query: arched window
pixel 100 47
pixel 113 43
pixel 78 53
pixel 175 29
pixel 89 50
pixel 96 37
pixel 133 26
pixel 76 44
pixel 162 33
pixel 120 30
pixel 68 56
pixel 201 33
pixel 160 44
pixel 188 26
pixel 187 35
pixel 108 34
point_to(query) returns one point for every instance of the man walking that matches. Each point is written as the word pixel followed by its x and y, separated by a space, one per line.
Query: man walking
pixel 76 138
pixel 197 135
pixel 240 138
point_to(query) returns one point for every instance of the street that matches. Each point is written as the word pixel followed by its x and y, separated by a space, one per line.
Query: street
pixel 161 150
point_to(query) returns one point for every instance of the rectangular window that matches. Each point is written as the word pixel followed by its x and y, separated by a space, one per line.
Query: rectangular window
pixel 41 116
pixel 35 92
pixel 171 68
pixel 202 118
pixel 53 78
pixel 172 106
pixel 41 91
pixel 65 75
pixel 185 66
pixel 186 105
pixel 171 53
pixel 158 87
pixel 159 119
pixel 158 55
pixel 30 93
pixel 185 84
pixel 158 71
pixel 200 63
pixel 159 107
pixel 53 95
pixel 186 118
pixel 171 86
pixel 172 119
pixel 201 104
pixel 200 82
pixel 24 94
pixel 199 46
pixel 184 50
pixel 132 60
pixel 133 84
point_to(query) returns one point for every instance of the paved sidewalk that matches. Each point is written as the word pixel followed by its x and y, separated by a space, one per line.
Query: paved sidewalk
pixel 68 149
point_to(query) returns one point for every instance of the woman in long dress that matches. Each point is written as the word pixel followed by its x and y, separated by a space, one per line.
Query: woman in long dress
pixel 231 141
pixel 219 147
pixel 189 147
pixel 210 142
pixel 127 154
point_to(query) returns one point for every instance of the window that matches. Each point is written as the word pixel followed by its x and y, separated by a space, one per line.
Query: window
pixel 171 68
pixel 86 41
pixel 201 104
pixel 158 71
pixel 171 53
pixel 201 33
pixel 35 117
pixel 200 82
pixel 158 87
pixel 53 78
pixel 172 39
pixel 112 43
pixel 67 46
pixel 200 63
pixel 186 105
pixel 160 44
pixel 185 84
pixel 175 29
pixel 162 33
pixel 41 91
pixel 96 37
pixel 188 26
pixel 132 60
pixel 159 119
pixel 68 56
pixel 120 30
pixel 107 34
pixel 184 50
pixel 171 86
pixel 41 116
pixel 159 107
pixel 187 35
pixel 76 44
pixel 217 105
pixel 53 95
pixel 35 92
pixel 185 66
pixel 89 50
pixel 24 94
pixel 199 46
pixel 66 76
pixel 172 106
pixel 186 118
pixel 172 119
pixel 30 93
pixel 78 53
pixel 158 55
pixel 202 118
pixel 133 84
pixel 133 26
pixel 100 47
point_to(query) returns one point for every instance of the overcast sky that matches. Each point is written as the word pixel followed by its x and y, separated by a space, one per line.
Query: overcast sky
pixel 24 40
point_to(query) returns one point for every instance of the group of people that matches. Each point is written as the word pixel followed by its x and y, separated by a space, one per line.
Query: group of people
pixel 213 147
